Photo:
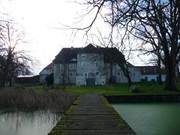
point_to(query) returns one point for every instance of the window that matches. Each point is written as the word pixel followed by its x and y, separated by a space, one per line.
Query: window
pixel 83 55
pixel 82 64
pixel 91 75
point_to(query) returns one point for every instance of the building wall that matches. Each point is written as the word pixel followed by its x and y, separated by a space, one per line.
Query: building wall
pixel 153 77
pixel 72 67
pixel 90 66
pixel 42 78
pixel 119 76
pixel 57 75
pixel 43 74
pixel 65 73
pixel 135 74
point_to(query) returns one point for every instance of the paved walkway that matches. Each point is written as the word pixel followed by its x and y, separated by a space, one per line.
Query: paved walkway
pixel 91 114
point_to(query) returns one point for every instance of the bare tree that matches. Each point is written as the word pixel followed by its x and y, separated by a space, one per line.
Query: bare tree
pixel 13 59
pixel 123 64
pixel 150 21
pixel 155 60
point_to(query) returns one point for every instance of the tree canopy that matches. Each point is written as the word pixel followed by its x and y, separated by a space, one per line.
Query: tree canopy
pixel 13 60
pixel 155 22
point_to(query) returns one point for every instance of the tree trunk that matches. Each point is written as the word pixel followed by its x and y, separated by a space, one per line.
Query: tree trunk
pixel 129 80
pixel 10 83
pixel 64 76
pixel 126 73
pixel 178 73
pixel 170 74
pixel 159 71
pixel 111 73
pixel 3 81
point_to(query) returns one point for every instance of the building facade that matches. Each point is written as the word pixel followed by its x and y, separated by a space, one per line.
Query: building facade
pixel 150 73
pixel 91 66
pixel 45 72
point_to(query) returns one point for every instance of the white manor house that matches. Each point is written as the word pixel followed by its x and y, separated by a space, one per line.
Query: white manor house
pixel 90 66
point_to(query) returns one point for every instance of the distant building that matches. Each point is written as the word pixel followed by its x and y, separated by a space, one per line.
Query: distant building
pixel 27 79
pixel 45 72
pixel 150 73
pixel 91 66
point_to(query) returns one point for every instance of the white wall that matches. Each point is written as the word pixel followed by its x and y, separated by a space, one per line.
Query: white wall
pixel 56 68
pixel 43 74
pixel 135 74
pixel 72 67
pixel 153 77
pixel 90 65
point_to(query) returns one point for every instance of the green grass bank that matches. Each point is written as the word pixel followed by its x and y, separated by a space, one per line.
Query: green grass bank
pixel 122 89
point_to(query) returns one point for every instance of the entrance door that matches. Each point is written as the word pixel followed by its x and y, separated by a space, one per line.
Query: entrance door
pixel 90 81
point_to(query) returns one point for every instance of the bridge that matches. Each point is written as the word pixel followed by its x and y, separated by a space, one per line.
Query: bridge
pixel 91 114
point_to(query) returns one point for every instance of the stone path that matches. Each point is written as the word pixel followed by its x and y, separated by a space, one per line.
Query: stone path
pixel 91 114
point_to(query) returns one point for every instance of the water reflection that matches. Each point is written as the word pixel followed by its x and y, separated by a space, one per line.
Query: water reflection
pixel 151 118
pixel 27 123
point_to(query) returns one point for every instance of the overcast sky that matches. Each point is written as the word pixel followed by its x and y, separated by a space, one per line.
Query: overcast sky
pixel 43 22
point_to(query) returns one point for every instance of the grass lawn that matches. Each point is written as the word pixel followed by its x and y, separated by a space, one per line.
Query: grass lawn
pixel 117 89
pixel 121 89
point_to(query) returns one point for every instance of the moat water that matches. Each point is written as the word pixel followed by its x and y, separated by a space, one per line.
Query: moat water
pixel 151 118
pixel 27 123
pixel 143 118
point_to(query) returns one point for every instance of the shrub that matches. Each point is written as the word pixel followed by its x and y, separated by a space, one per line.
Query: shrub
pixel 134 89
pixel 55 100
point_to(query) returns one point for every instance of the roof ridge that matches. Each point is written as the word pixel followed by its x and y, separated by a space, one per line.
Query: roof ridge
pixel 110 54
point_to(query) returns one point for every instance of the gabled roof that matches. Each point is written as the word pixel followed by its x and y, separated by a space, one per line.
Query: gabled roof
pixel 67 54
pixel 48 67
pixel 110 54
pixel 130 65
pixel 90 49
